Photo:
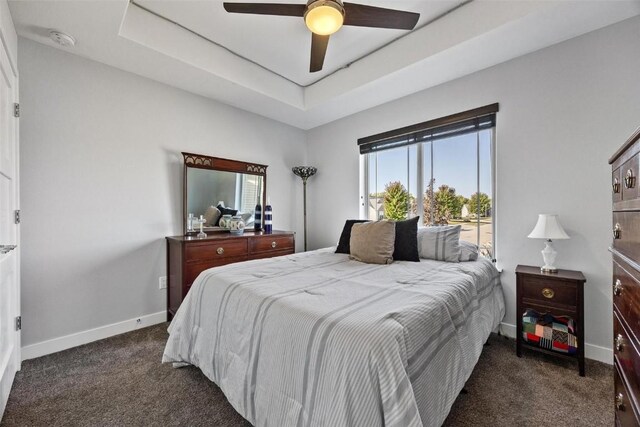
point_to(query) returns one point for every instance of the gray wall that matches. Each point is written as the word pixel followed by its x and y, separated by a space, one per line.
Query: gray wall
pixel 563 111
pixel 101 175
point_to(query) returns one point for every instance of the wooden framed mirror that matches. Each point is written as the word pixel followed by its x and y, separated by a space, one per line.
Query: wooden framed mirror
pixel 212 181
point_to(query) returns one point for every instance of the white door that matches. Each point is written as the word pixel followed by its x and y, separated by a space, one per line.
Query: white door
pixel 9 230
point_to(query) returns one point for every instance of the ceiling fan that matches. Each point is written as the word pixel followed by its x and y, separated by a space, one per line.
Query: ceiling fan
pixel 325 17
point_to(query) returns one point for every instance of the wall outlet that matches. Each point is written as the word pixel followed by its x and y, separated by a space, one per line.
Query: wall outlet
pixel 162 282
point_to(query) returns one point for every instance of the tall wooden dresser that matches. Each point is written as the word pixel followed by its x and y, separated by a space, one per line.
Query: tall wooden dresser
pixel 626 281
pixel 187 257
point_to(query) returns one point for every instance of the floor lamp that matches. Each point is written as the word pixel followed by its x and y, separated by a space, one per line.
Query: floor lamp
pixel 304 172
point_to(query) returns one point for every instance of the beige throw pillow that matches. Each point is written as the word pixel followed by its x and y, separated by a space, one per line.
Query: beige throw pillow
pixel 373 242
pixel 211 216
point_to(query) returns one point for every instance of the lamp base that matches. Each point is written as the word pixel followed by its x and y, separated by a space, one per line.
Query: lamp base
pixel 549 256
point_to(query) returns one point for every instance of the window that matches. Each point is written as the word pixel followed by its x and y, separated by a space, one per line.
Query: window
pixel 442 171
pixel 248 191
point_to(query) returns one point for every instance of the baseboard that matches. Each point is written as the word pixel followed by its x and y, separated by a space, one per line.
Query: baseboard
pixel 79 338
pixel 591 351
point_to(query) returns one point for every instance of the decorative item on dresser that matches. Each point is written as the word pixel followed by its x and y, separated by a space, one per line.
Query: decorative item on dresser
pixel 188 256
pixel 550 312
pixel 304 172
pixel 626 281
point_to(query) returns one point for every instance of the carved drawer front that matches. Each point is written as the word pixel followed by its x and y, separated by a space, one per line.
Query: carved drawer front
pixel 629 175
pixel 216 249
pixel 550 292
pixel 616 185
pixel 626 233
pixel 270 243
pixel 625 350
pixel 626 411
pixel 626 295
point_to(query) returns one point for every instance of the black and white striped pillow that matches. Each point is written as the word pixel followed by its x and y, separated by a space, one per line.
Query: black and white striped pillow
pixel 441 243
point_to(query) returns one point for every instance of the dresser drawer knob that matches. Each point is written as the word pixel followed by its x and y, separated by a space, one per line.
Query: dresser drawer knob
pixel 619 402
pixel 629 179
pixel 617 231
pixel 616 185
pixel 220 251
pixel 617 288
pixel 274 244
pixel 548 293
pixel 619 342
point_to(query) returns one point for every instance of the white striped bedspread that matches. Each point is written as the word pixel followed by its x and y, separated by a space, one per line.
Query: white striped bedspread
pixel 315 339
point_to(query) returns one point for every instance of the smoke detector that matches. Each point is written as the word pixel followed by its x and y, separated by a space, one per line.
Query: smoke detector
pixel 61 38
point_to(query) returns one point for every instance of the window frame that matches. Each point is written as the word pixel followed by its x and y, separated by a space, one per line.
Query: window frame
pixel 420 127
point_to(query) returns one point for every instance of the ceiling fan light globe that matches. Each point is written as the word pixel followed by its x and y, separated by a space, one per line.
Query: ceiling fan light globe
pixel 324 17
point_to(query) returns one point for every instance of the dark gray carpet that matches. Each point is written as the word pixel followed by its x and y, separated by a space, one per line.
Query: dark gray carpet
pixel 120 381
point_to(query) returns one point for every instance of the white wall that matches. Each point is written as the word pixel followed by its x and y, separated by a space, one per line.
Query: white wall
pixel 563 111
pixel 101 174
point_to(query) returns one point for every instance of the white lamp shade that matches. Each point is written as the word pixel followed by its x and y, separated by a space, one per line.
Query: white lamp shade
pixel 548 227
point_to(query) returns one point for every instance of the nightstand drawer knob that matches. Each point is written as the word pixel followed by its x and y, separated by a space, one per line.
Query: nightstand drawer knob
pixel 619 402
pixel 619 342
pixel 548 293
pixel 274 244
pixel 617 231
pixel 617 288
pixel 220 251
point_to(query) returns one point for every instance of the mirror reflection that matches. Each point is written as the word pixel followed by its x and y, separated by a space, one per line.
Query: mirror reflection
pixel 213 193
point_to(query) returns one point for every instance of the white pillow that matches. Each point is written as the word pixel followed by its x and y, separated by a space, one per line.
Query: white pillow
pixel 441 243
pixel 468 251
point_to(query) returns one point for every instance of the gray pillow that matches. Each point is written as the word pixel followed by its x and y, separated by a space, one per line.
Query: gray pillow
pixel 468 251
pixel 441 243
pixel 373 242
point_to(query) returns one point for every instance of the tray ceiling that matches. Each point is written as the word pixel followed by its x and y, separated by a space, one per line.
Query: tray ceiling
pixel 260 63
pixel 282 44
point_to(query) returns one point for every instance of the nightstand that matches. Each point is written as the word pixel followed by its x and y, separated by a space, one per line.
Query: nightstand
pixel 558 294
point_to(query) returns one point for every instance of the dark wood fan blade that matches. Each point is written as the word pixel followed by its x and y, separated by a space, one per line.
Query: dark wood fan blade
pixel 360 15
pixel 318 50
pixel 266 8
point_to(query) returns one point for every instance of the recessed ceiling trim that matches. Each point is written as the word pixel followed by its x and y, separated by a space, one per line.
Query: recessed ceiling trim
pixel 323 77
pixel 210 41
pixel 180 44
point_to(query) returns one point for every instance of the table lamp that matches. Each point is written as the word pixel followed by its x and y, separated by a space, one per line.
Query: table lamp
pixel 548 227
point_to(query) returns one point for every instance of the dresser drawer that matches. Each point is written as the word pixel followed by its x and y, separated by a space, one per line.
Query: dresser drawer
pixel 626 355
pixel 626 295
pixel 626 411
pixel 217 249
pixel 270 243
pixel 626 233
pixel 193 270
pixel 270 254
pixel 628 175
pixel 550 291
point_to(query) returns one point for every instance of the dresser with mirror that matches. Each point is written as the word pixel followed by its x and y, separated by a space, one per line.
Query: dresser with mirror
pixel 212 187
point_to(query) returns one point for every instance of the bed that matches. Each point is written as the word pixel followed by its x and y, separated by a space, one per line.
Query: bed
pixel 317 339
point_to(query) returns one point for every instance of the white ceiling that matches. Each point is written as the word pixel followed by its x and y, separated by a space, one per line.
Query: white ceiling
pixel 260 63
pixel 282 44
